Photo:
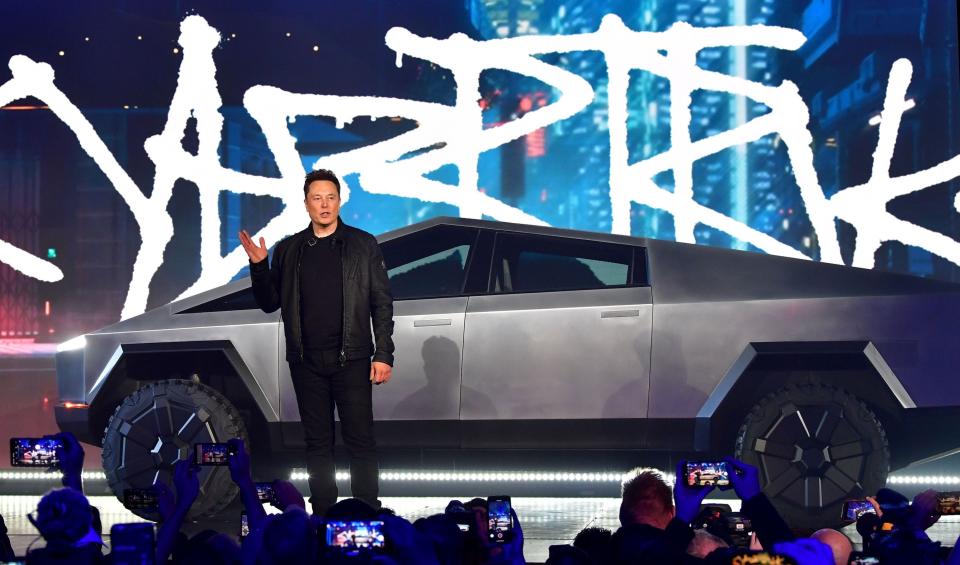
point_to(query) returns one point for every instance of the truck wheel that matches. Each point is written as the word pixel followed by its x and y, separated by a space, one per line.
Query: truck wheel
pixel 815 446
pixel 156 426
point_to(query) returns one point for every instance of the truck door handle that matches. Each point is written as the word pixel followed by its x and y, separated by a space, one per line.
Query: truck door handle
pixel 619 313
pixel 433 322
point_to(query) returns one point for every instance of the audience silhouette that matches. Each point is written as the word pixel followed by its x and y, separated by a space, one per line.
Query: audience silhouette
pixel 658 524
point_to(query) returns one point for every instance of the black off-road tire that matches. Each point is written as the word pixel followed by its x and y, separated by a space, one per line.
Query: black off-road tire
pixel 815 446
pixel 156 426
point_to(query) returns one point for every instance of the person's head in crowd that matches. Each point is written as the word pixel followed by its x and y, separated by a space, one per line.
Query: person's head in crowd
pixel 567 554
pixel 65 520
pixel 866 526
pixel 646 499
pixel 899 536
pixel 712 519
pixel 350 509
pixel 894 506
pixel 839 544
pixel 595 542
pixel 445 535
pixel 805 551
pixel 470 516
pixel 289 537
pixel 704 543
pixel 208 547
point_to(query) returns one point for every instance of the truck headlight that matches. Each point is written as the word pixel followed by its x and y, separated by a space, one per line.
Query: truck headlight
pixel 78 342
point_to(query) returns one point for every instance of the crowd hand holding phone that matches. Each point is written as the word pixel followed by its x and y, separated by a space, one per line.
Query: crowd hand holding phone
pixel 406 544
pixel 286 495
pixel 687 498
pixel 187 484
pixel 510 551
pixel 238 461
pixel 70 454
pixel 806 551
pixel 924 511
pixel 166 501
pixel 745 479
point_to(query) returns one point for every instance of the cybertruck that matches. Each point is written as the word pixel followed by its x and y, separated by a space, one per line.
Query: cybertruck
pixel 515 336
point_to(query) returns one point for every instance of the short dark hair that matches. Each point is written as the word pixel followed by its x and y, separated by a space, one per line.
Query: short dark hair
pixel 320 174
pixel 595 542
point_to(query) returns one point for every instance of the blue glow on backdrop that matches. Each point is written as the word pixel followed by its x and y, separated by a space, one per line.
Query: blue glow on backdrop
pixel 138 142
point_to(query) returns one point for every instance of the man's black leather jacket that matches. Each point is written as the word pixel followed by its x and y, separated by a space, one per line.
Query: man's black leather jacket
pixel 366 293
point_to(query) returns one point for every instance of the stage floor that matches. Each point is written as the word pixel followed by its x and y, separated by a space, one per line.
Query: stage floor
pixel 545 521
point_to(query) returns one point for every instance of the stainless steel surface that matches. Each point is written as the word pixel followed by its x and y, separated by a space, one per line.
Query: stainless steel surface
pixel 513 228
pixel 696 344
pixel 428 323
pixel 426 374
pixel 619 313
pixel 553 356
pixel 251 334
pixel 890 379
pixel 672 351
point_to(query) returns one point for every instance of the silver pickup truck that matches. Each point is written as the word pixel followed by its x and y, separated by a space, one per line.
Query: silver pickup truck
pixel 520 337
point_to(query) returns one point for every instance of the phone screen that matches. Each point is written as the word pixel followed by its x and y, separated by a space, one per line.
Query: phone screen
pixel 948 503
pixel 499 519
pixel 853 509
pixel 141 499
pixel 132 544
pixel 265 492
pixel 707 473
pixel 740 529
pixel 34 452
pixel 244 525
pixel 464 520
pixel 212 453
pixel 356 535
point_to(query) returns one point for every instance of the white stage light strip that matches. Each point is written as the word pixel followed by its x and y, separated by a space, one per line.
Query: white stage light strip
pixel 16 475
pixel 482 476
pixel 923 480
pixel 488 476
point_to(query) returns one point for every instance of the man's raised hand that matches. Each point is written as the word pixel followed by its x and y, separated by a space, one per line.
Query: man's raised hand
pixel 255 252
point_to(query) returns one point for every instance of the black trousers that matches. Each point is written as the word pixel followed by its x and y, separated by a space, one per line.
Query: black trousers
pixel 320 384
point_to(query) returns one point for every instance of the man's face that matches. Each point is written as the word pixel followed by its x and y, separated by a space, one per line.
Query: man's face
pixel 322 202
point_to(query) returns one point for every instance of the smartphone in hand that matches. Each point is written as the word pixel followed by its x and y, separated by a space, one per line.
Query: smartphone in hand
pixel 707 473
pixel 35 452
pixel 132 544
pixel 853 509
pixel 212 454
pixel 499 519
pixel 146 499
pixel 265 492
pixel 356 536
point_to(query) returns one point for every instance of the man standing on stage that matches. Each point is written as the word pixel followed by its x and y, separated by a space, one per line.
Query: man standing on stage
pixel 329 281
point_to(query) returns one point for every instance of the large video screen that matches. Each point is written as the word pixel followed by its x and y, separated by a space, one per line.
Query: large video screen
pixel 138 138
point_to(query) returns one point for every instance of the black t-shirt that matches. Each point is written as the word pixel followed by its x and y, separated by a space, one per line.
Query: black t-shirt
pixel 321 291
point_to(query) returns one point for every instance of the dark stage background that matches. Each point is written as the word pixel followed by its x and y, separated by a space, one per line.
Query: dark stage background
pixel 168 126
